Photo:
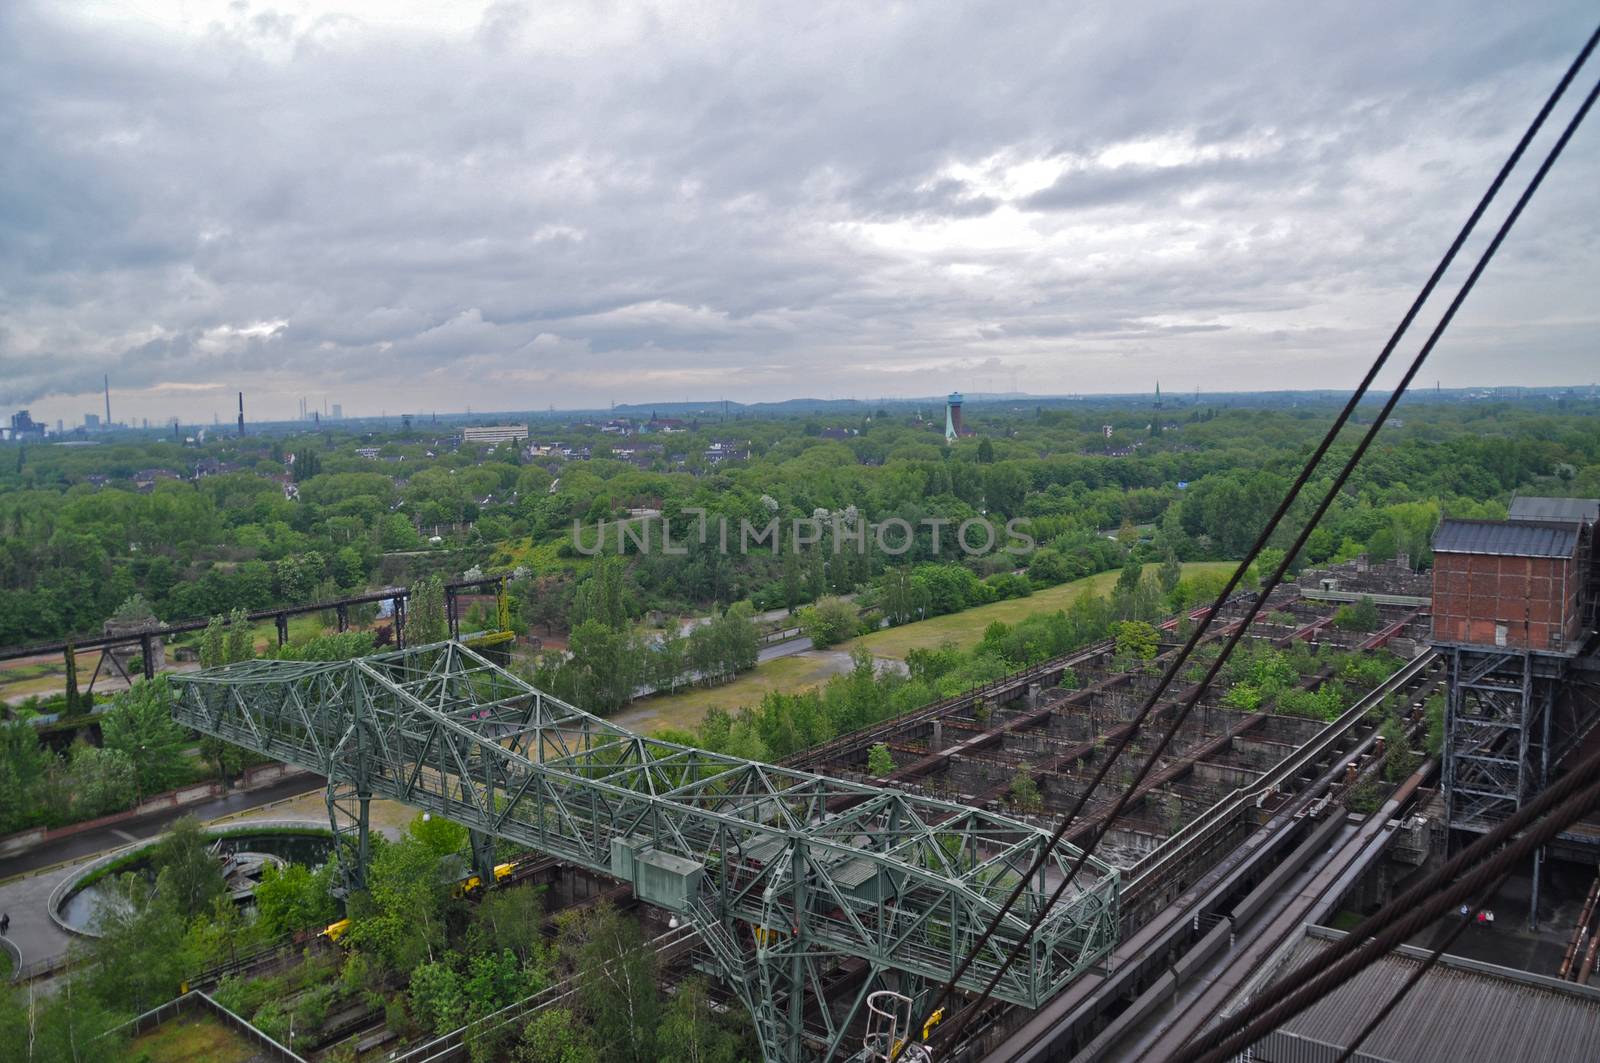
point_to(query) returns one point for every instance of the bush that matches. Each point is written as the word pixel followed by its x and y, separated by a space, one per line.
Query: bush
pixel 1434 714
pixel 1362 616
pixel 879 761
pixel 829 622
pixel 1025 792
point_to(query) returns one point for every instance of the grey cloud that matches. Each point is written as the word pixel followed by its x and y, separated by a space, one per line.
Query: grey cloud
pixel 771 195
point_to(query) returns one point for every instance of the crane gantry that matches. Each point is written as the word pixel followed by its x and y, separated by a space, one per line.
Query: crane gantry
pixel 786 874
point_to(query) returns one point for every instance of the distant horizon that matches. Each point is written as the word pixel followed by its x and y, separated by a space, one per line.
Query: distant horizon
pixel 802 404
pixel 489 204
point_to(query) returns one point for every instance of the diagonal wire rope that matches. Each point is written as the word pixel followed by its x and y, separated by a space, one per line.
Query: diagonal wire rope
pixel 1419 973
pixel 1527 817
pixel 951 1032
pixel 1555 809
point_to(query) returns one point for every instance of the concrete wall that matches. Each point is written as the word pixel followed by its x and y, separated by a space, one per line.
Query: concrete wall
pixel 22 841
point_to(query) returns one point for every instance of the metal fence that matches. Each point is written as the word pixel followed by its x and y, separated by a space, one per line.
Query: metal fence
pixel 197 1001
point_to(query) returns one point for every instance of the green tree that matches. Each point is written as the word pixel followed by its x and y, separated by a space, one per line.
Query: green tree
pixel 140 726
pixel 1025 792
pixel 68 1025
pixel 879 761
pixel 187 873
pixel 1434 714
pixel 437 998
pixel 426 622
pixel 603 664
pixel 24 765
pixel 402 915
pixel 139 959
pixel 602 597
pixel 1170 573
pixel 514 919
pixel 689 1031
pixel 294 898
pixel 1399 760
pixel 240 643
pixel 904 599
pixel 829 622
pixel 1136 639
pixel 213 644
pixel 617 974
pixel 556 1036
pixel 793 580
pixel 100 781
pixel 1362 616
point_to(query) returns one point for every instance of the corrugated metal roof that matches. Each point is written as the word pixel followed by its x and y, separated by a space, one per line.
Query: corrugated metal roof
pixel 1505 538
pixel 1454 1013
pixel 1556 510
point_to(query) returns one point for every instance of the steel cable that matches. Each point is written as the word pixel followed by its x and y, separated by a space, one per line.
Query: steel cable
pixel 1591 765
pixel 950 1032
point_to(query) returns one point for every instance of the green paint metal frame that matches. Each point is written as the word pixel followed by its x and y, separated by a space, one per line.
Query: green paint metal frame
pixel 826 871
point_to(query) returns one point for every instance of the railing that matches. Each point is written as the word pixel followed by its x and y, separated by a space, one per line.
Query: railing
pixel 269 1048
pixel 1155 863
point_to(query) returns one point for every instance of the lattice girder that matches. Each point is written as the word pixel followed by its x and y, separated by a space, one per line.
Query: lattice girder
pixel 906 883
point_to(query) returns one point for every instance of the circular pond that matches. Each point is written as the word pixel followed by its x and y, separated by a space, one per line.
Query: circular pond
pixel 241 852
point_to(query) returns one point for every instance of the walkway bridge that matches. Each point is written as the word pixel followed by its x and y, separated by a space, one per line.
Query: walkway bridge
pixel 789 876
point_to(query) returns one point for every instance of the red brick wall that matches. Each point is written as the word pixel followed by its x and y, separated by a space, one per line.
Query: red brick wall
pixel 1535 600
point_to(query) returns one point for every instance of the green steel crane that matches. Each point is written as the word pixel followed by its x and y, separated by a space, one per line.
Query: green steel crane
pixel 797 883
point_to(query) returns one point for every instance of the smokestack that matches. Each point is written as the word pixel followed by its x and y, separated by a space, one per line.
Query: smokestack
pixel 108 400
pixel 241 415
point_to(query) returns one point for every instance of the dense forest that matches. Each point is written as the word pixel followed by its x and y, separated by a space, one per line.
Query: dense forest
pixel 252 522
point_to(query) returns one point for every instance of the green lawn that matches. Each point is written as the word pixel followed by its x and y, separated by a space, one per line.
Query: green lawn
pixel 685 710
pixel 803 671
pixel 189 1038
pixel 966 628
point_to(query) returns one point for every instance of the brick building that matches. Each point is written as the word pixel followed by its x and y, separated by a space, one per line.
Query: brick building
pixel 1514 584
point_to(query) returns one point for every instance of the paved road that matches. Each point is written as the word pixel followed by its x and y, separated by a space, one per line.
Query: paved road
pixel 784 649
pixel 102 838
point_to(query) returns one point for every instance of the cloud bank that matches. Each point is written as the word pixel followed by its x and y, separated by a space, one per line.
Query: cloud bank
pixel 513 206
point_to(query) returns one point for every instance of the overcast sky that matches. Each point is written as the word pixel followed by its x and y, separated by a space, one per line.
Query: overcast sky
pixel 518 205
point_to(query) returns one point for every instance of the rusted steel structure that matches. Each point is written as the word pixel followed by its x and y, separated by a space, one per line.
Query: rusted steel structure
pixel 1514 614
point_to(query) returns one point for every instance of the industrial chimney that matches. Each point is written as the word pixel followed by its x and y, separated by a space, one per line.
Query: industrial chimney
pixel 241 415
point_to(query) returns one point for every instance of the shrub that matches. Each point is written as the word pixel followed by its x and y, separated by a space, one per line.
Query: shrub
pixel 879 761
pixel 829 622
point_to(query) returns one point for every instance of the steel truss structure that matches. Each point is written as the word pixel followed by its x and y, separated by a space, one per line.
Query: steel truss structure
pixel 791 877
pixel 1510 718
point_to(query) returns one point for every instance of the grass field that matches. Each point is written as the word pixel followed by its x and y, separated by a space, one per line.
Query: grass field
pixel 25 678
pixel 20 679
pixel 803 671
pixel 189 1038
pixel 966 628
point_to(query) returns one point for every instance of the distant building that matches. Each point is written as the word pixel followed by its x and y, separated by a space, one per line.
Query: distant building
pixel 91 421
pixel 952 417
pixel 338 412
pixel 24 427
pixel 494 434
